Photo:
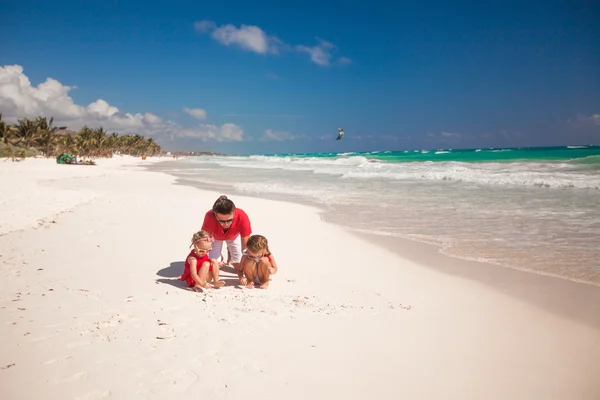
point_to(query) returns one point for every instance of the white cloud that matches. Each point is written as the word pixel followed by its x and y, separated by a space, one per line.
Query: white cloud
pixel 247 37
pixel 253 38
pixel 102 108
pixel 278 136
pixel 582 120
pixel 225 133
pixel 445 135
pixel 319 54
pixel 198 113
pixel 19 99
pixel 450 134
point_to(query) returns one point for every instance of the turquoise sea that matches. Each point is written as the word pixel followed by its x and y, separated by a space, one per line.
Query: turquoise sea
pixel 585 154
pixel 535 209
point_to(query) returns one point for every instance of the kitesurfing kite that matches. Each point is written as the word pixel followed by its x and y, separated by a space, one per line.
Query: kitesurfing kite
pixel 341 133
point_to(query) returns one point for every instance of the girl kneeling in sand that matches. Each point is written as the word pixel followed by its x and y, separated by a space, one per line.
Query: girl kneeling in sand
pixel 199 269
pixel 258 263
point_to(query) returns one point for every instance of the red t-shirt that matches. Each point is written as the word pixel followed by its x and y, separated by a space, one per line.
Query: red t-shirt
pixel 239 226
pixel 187 274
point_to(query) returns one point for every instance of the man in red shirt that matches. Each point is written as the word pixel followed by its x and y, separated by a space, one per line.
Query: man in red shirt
pixel 226 222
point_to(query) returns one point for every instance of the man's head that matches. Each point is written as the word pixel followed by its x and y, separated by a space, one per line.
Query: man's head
pixel 224 211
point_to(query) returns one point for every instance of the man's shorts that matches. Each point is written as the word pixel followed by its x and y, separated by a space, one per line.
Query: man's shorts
pixel 234 247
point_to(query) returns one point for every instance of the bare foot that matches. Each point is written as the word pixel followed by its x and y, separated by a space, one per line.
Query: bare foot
pixel 250 285
pixel 205 286
pixel 219 284
pixel 265 285
pixel 243 281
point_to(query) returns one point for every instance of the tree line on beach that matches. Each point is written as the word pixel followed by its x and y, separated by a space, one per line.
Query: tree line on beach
pixel 30 137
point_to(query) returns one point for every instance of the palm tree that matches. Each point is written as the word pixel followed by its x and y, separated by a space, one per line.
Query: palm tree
pixel 26 132
pixel 41 134
pixel 99 142
pixel 6 131
pixel 68 144
pixel 47 134
pixel 113 143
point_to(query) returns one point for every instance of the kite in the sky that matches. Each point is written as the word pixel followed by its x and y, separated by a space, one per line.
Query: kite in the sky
pixel 341 133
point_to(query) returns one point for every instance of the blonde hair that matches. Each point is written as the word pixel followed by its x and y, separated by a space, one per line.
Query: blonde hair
pixel 201 235
pixel 258 243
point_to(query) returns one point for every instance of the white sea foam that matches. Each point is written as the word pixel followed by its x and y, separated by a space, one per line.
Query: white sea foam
pixel 548 175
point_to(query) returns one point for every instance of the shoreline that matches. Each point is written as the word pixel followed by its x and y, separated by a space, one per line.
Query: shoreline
pixel 577 300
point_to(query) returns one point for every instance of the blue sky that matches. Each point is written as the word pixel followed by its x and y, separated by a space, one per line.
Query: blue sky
pixel 275 77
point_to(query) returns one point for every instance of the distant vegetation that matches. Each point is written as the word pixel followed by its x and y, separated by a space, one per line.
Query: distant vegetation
pixel 31 137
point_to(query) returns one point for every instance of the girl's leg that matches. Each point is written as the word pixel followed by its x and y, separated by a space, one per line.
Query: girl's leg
pixel 264 273
pixel 215 253
pixel 215 275
pixel 249 269
pixel 203 274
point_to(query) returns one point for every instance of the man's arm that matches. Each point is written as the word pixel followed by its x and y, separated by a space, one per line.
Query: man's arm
pixel 244 242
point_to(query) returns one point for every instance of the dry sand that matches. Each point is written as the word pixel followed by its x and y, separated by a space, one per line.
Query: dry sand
pixel 91 308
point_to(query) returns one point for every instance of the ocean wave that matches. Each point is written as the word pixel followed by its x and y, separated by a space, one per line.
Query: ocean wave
pixel 318 194
pixel 477 176
pixel 580 173
pixel 586 160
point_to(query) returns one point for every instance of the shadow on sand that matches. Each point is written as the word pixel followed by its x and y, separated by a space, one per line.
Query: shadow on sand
pixel 174 270
pixel 171 274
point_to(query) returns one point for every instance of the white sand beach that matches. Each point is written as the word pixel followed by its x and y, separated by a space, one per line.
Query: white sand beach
pixel 91 307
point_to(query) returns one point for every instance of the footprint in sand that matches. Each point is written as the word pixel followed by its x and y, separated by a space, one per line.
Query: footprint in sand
pixel 94 395
pixel 113 357
pixel 75 377
pixel 56 325
pixel 77 344
pixel 58 360
pixel 39 339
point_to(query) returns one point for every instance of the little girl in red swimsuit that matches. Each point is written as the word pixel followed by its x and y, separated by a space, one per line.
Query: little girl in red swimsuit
pixel 198 267
pixel 257 262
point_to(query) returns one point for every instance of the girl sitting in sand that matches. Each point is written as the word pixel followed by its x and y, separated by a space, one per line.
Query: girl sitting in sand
pixel 258 263
pixel 199 269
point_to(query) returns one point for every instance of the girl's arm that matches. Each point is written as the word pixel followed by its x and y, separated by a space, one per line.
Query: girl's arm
pixel 274 267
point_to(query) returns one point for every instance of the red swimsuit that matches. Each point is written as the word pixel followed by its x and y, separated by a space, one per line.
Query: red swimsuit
pixel 187 274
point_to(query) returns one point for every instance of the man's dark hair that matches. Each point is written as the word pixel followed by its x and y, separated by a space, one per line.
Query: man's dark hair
pixel 223 206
